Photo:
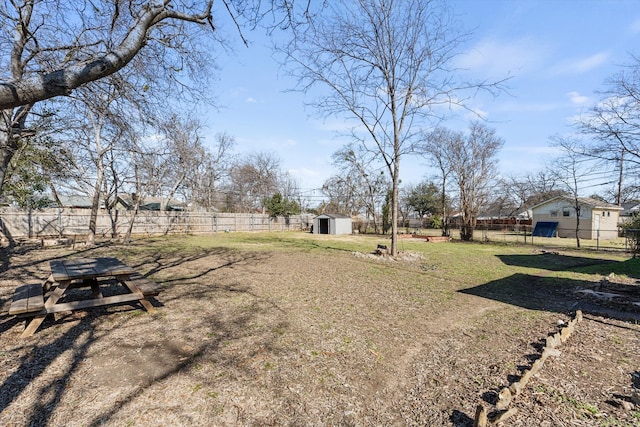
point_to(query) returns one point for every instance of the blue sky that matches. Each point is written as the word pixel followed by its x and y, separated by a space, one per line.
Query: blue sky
pixel 559 53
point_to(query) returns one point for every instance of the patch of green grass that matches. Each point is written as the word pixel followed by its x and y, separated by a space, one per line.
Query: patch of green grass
pixel 586 408
pixel 591 409
pixel 501 271
pixel 629 268
pixel 540 388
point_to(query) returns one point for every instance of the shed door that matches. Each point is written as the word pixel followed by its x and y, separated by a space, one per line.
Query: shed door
pixel 324 225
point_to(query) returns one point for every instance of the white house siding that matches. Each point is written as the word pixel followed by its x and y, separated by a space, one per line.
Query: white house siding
pixel 608 223
pixel 567 224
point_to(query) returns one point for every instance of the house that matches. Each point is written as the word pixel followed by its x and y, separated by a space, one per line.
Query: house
pixel 75 201
pixel 332 224
pixel 629 210
pixel 598 219
pixel 126 202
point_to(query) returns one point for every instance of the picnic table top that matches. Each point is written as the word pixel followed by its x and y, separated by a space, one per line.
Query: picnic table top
pixel 88 268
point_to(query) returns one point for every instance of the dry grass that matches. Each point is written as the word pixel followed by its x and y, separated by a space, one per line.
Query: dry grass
pixel 293 329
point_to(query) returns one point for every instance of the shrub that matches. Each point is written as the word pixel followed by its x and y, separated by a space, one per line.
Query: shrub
pixel 632 234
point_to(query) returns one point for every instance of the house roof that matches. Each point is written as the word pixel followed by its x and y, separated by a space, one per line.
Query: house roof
pixel 74 201
pixel 630 208
pixel 587 201
pixel 150 203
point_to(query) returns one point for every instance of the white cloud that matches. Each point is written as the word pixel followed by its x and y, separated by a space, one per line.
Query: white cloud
pixel 577 99
pixel 500 58
pixel 634 28
pixel 251 100
pixel 582 65
pixel 477 113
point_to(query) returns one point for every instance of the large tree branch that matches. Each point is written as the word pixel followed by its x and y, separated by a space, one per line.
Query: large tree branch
pixel 61 82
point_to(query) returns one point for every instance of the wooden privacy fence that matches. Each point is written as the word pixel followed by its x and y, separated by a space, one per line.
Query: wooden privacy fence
pixel 58 222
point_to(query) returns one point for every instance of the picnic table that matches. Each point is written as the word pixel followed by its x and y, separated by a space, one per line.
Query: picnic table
pixel 36 301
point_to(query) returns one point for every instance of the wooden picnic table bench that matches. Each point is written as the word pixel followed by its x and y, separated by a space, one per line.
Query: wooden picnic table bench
pixel 39 300
pixel 27 299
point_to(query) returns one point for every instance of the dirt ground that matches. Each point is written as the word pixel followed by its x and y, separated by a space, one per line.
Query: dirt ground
pixel 328 338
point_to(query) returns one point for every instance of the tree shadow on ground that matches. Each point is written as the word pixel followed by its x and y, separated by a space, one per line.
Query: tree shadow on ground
pixel 31 371
pixel 35 363
pixel 21 268
pixel 554 261
pixel 237 326
pixel 154 264
pixel 562 295
pixel 460 419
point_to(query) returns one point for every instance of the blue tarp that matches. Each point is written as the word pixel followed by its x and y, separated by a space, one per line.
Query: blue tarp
pixel 545 228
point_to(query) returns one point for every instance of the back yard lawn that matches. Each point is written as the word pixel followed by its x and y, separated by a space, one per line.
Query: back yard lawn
pixel 297 329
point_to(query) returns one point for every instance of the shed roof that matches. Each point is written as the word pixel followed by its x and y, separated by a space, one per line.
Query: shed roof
pixel 334 216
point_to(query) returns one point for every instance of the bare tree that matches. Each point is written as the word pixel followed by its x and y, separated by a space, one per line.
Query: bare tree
pixel 50 48
pixel 614 125
pixel 48 57
pixel 209 172
pixel 94 133
pixel 472 159
pixel 571 169
pixel 522 192
pixel 387 65
pixel 341 192
pixel 183 154
pixel 93 123
pixel 251 180
pixel 366 183
pixel 143 160
pixel 434 148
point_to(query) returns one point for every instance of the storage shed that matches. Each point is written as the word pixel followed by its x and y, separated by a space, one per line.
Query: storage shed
pixel 597 219
pixel 332 224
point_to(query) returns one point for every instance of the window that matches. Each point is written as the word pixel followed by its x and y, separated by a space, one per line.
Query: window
pixel 566 212
pixel 553 214
pixel 609 214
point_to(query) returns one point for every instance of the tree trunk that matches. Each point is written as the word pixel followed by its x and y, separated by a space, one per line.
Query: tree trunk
pixel 95 202
pixel 136 207
pixel 95 205
pixel 394 207
pixel 164 202
pixel 577 224
pixel 8 145
pixel 620 180
pixel 445 219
